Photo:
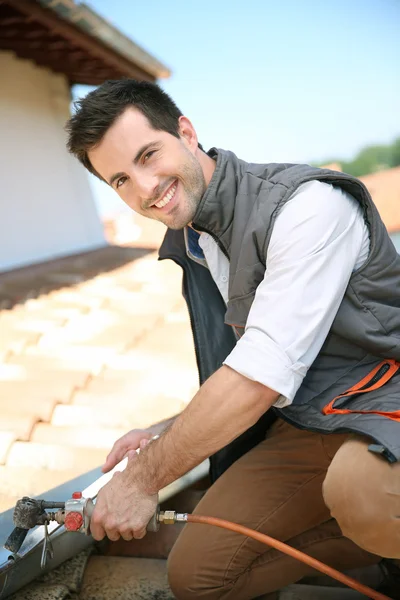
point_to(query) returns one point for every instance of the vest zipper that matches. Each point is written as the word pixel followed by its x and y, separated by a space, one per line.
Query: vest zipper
pixel 384 369
pixel 377 378
pixel 214 237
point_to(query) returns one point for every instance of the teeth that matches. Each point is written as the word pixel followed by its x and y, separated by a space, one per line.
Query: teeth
pixel 167 198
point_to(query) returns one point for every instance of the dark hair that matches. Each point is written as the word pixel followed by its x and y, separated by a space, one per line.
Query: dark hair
pixel 96 112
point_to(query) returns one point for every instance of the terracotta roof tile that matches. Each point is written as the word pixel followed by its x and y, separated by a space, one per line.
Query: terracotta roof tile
pixel 19 424
pixel 32 361
pixel 384 188
pixel 84 436
pixel 14 371
pixel 54 457
pixel 140 409
pixel 6 440
pixel 77 363
pixel 105 416
pixel 24 394
pixel 90 357
pixel 14 340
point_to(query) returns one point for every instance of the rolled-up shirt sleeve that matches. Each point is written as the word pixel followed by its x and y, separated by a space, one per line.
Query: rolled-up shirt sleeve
pixel 318 240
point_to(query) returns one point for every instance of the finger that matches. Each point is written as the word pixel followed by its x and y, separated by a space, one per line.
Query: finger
pixel 113 535
pixel 97 531
pixel 110 463
pixel 114 457
pixel 127 535
pixel 143 443
pixel 139 533
pixel 131 454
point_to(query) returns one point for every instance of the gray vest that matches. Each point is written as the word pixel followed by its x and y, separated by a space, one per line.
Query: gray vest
pixel 354 383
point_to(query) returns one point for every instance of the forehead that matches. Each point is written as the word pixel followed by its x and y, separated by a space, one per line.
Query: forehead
pixel 130 125
pixel 121 142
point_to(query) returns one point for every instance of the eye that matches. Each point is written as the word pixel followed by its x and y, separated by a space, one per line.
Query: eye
pixel 120 182
pixel 148 155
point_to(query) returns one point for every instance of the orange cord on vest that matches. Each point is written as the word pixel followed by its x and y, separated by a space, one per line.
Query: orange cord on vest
pixel 308 560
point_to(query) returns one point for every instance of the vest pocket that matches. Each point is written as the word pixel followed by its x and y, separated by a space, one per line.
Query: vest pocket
pixel 375 379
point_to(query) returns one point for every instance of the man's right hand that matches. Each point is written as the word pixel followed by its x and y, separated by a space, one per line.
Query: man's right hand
pixel 130 442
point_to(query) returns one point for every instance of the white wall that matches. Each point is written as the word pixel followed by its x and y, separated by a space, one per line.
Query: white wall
pixel 46 205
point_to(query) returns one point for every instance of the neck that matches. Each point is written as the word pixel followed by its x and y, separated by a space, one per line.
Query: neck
pixel 207 164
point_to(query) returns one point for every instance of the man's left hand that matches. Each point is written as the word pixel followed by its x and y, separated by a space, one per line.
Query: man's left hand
pixel 123 509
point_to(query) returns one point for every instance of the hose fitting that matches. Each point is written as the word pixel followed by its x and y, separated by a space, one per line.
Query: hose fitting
pixel 169 517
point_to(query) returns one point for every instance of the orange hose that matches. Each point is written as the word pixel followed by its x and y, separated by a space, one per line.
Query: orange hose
pixel 308 560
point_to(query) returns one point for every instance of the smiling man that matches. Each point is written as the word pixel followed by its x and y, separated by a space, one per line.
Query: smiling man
pixel 160 179
pixel 292 284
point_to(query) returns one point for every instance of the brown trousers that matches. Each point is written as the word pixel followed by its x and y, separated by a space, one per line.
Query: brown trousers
pixel 289 487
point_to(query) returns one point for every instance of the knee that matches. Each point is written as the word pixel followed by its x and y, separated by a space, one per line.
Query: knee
pixel 180 577
pixel 189 575
pixel 356 492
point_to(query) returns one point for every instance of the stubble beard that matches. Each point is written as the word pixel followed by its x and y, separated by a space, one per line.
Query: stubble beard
pixel 193 185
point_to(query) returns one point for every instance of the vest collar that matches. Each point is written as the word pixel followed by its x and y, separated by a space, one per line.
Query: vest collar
pixel 216 208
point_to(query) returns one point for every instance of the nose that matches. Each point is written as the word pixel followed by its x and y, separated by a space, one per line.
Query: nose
pixel 146 185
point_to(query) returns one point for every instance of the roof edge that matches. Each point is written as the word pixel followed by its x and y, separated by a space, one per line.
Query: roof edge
pixel 87 20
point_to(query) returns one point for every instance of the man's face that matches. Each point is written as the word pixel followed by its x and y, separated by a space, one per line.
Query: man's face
pixel 154 173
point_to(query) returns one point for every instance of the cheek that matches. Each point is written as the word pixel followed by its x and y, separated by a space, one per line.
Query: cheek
pixel 172 162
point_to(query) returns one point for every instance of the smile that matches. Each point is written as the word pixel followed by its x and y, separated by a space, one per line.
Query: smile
pixel 167 198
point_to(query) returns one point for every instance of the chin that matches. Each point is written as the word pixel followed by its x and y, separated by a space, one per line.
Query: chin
pixel 178 222
pixel 176 226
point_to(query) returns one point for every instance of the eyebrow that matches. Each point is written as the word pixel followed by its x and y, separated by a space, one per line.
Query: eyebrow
pixel 114 177
pixel 140 152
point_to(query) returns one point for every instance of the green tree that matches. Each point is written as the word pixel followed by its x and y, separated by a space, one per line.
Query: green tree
pixel 395 153
pixel 371 159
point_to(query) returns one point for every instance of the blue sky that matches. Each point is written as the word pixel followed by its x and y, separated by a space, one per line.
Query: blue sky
pixel 273 81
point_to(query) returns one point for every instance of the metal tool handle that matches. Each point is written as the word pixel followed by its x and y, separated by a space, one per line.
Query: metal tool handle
pixel 16 539
pixel 47 552
pixel 153 525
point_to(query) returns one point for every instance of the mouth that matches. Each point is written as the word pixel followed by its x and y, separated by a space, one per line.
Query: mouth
pixel 168 199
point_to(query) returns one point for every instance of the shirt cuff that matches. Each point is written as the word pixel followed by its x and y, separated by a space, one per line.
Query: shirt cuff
pixel 259 358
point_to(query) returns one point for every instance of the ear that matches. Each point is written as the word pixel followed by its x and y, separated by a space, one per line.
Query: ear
pixel 188 133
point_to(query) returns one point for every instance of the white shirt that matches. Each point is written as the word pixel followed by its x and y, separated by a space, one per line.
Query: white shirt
pixel 318 240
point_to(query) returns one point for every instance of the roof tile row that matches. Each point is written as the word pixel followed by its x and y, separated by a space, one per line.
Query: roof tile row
pixel 81 365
